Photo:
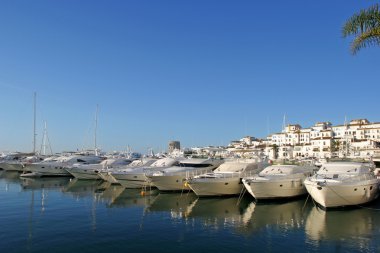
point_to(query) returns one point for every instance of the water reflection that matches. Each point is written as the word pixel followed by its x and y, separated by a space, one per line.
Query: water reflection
pixel 216 212
pixel 356 227
pixel 178 205
pixel 276 215
pixel 11 176
pixel 82 188
pixel 212 212
pixel 132 198
pixel 41 207
pixel 44 183
pixel 108 192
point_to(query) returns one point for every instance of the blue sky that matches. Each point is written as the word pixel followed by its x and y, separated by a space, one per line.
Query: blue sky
pixel 202 72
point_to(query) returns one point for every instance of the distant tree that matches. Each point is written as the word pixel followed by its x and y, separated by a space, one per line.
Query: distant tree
pixel 275 151
pixel 335 145
pixel 365 26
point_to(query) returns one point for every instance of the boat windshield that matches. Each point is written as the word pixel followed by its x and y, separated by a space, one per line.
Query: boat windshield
pixel 195 165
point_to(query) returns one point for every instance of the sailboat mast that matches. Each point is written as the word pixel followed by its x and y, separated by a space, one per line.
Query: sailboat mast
pixel 34 124
pixel 44 139
pixel 96 128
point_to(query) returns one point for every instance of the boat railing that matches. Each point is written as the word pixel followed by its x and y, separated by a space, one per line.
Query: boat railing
pixel 199 172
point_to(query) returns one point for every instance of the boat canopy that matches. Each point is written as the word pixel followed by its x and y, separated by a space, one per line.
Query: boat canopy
pixel 344 168
pixel 164 162
pixel 285 170
pixel 142 162
pixel 116 161
pixel 233 167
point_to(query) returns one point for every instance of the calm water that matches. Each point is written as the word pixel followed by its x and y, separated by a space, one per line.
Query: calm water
pixel 63 215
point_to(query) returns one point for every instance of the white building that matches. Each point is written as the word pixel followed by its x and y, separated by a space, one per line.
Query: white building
pixel 358 138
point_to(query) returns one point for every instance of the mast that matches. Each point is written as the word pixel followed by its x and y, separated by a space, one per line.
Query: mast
pixel 34 124
pixel 96 128
pixel 45 141
pixel 43 144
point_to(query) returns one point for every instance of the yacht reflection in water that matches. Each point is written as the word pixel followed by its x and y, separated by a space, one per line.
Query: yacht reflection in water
pixel 44 183
pixel 177 204
pixel 357 227
pixel 282 216
pixel 109 192
pixel 132 198
pixel 10 176
pixel 83 188
pixel 223 212
pixel 245 216
pixel 213 212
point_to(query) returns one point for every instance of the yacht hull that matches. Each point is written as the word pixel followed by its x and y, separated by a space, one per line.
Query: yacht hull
pixel 132 180
pixel 12 166
pixel 47 169
pixel 273 189
pixel 170 182
pixel 337 195
pixel 204 187
pixel 85 174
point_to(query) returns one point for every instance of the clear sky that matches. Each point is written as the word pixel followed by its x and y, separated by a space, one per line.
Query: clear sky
pixel 203 72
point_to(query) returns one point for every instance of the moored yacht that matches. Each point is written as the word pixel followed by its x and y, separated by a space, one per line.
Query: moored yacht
pixel 279 181
pixel 57 166
pixel 91 171
pixel 174 178
pixel 17 161
pixel 106 173
pixel 226 179
pixel 343 184
pixel 136 177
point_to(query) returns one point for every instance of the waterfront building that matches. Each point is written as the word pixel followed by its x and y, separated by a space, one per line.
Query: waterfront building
pixel 247 147
pixel 174 145
pixel 357 138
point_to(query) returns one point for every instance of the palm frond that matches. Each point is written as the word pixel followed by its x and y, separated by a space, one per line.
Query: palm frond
pixel 368 38
pixel 363 21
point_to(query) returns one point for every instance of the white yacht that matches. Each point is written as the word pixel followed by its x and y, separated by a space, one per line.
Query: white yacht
pixel 106 173
pixel 174 178
pixel 226 179
pixel 17 161
pixel 91 171
pixel 57 166
pixel 343 184
pixel 279 181
pixel 136 177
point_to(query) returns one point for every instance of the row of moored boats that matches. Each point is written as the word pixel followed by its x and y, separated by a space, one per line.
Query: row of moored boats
pixel 334 184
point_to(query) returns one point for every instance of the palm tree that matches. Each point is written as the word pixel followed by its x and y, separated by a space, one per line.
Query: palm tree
pixel 365 26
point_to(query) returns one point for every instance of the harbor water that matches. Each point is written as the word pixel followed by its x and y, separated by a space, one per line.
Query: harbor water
pixel 69 215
